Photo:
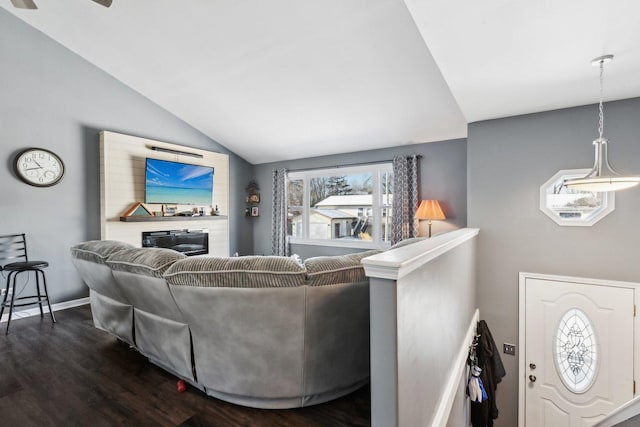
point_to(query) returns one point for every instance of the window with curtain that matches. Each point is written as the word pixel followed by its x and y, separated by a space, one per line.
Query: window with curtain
pixel 346 206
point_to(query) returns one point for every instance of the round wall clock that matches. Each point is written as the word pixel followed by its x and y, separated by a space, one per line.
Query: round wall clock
pixel 39 167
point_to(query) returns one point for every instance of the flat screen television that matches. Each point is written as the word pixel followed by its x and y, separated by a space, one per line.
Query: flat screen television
pixel 177 183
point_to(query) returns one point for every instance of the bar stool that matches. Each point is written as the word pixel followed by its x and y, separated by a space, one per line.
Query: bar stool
pixel 14 260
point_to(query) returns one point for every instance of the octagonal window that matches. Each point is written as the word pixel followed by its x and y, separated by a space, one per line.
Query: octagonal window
pixel 573 207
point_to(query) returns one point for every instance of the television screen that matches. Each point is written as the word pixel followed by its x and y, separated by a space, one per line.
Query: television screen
pixel 179 183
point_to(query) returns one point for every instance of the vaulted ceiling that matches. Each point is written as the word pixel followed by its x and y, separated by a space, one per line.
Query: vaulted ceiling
pixel 284 79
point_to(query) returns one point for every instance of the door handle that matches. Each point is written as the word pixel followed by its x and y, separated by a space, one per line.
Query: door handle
pixel 532 365
pixel 532 378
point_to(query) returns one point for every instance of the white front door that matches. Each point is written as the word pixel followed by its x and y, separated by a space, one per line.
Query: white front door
pixel 578 355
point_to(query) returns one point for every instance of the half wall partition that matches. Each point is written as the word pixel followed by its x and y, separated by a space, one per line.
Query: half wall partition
pixel 423 318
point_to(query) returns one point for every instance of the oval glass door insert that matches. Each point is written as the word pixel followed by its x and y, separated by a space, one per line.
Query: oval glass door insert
pixel 576 351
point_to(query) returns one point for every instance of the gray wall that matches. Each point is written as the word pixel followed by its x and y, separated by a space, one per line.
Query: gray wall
pixel 53 99
pixel 443 176
pixel 508 160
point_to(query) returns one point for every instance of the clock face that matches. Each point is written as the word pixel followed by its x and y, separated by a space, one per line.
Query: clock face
pixel 39 167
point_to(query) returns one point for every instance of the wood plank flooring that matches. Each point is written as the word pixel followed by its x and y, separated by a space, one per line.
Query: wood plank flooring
pixel 72 374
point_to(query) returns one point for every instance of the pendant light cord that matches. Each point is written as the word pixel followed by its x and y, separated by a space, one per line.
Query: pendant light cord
pixel 601 109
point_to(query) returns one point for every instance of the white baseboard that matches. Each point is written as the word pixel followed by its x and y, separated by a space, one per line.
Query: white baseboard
pixel 35 310
pixel 455 374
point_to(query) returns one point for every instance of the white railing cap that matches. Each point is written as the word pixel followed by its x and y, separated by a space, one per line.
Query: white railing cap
pixel 396 263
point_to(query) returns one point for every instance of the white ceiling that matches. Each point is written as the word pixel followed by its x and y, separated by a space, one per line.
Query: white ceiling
pixel 508 57
pixel 284 79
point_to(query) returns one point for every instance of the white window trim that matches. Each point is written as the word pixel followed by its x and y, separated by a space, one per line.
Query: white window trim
pixel 377 169
pixel 337 243
pixel 608 201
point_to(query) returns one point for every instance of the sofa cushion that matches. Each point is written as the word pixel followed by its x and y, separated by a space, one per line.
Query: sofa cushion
pixel 98 250
pixel 146 261
pixel 237 272
pixel 331 270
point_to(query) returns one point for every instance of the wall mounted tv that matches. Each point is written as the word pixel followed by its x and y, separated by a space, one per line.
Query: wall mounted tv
pixel 177 183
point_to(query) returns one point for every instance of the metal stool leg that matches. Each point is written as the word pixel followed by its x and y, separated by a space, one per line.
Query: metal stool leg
pixel 6 294
pixel 13 298
pixel 38 292
pixel 46 294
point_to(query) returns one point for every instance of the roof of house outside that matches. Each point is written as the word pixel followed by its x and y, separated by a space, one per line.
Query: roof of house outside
pixel 333 213
pixel 328 213
pixel 355 200
pixel 347 200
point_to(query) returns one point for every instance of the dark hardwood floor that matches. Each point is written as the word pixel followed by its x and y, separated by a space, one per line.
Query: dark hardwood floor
pixel 72 374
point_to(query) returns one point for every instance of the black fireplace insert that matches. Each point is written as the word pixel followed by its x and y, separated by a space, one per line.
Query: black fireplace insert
pixel 189 242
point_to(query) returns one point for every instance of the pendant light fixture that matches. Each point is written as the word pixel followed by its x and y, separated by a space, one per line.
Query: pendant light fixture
pixel 602 177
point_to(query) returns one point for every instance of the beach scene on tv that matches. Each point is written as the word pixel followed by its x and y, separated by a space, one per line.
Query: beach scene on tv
pixel 178 183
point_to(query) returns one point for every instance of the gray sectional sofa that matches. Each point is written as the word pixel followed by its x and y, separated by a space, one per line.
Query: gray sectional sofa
pixel 265 332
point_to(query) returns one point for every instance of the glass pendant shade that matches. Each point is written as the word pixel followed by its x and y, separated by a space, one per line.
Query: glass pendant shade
pixel 602 177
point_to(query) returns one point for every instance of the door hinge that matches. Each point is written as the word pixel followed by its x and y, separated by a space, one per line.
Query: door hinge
pixel 634 387
pixel 634 310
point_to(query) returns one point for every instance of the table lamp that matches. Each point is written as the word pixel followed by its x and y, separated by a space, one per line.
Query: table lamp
pixel 429 210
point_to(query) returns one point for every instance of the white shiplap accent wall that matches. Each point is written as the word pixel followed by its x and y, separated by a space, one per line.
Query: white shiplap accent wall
pixel 122 162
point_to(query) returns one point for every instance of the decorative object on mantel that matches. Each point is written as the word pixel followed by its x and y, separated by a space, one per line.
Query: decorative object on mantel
pixel 429 210
pixel 600 179
pixel 169 210
pixel 137 209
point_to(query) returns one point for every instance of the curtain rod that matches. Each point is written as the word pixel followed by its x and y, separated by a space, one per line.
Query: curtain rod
pixel 419 156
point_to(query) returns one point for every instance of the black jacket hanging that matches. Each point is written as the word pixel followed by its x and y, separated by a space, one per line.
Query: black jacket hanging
pixel 488 359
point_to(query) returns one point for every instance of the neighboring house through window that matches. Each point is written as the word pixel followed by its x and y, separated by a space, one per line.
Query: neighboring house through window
pixel 346 206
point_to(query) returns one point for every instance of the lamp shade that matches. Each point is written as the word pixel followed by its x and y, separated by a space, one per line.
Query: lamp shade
pixel 430 209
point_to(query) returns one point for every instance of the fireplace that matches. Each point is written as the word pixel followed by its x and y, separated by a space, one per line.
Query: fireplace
pixel 189 242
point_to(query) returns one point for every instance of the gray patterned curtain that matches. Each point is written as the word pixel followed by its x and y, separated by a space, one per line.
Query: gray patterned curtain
pixel 405 198
pixel 279 241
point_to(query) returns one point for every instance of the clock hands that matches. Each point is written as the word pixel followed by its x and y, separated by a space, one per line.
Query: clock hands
pixel 30 169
